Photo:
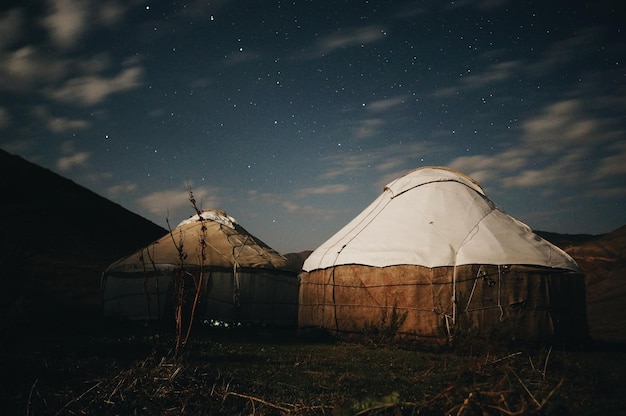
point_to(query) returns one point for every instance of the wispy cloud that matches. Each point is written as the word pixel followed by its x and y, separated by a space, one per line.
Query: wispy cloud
pixel 613 164
pixel 370 127
pixel 93 89
pixel 385 160
pixel 67 162
pixel 5 118
pixel 554 151
pixel 174 203
pixel 59 124
pixel 386 104
pixel 316 212
pixel 66 21
pixel 11 24
pixel 322 190
pixel 71 157
pixel 122 188
pixel 28 67
pixel 348 38
pixel 292 204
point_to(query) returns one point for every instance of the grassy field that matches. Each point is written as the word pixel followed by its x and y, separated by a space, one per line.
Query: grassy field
pixel 95 367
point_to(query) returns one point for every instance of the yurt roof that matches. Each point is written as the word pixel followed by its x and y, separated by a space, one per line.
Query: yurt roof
pixel 432 217
pixel 227 245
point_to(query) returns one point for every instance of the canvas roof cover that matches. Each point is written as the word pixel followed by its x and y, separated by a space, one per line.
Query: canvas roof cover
pixel 228 245
pixel 435 217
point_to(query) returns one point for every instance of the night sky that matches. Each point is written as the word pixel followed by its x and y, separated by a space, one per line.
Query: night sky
pixel 292 115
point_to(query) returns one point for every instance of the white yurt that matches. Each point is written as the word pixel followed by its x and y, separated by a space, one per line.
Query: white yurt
pixel 434 256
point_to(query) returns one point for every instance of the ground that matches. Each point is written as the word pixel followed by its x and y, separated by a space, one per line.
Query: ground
pixel 87 365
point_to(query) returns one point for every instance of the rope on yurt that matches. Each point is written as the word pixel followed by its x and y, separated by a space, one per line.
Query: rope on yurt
pixel 332 278
pixel 500 293
pixel 454 298
pixel 481 274
pixel 451 326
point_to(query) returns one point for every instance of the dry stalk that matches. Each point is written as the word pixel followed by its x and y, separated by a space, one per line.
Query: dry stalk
pixel 515 354
pixel 203 245
pixel 545 364
pixel 30 397
pixel 75 399
pixel 256 399
pixel 525 388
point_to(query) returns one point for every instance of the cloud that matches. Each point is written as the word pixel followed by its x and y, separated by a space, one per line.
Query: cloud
pixel 564 52
pixel 613 164
pixel 27 67
pixel 19 146
pixel 367 128
pixel 93 89
pixel 65 163
pixel 174 203
pixel 121 188
pixel 322 190
pixel 383 105
pixel 241 57
pixel 493 74
pixel 354 37
pixel 560 126
pixel 70 157
pixel 62 124
pixel 59 124
pixel 555 150
pixel 511 159
pixel 5 118
pixel 11 23
pixel 289 203
pixel 388 160
pixel 66 21
pixel 318 213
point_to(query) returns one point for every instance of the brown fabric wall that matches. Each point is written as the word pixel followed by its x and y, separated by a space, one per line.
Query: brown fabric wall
pixel 530 303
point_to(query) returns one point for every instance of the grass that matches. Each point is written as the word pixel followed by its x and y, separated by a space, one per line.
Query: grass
pixel 81 364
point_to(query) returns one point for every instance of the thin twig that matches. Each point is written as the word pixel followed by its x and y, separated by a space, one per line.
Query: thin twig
pixel 505 357
pixel 256 399
pixel 544 401
pixel 75 399
pixel 545 364
pixel 30 396
pixel 525 388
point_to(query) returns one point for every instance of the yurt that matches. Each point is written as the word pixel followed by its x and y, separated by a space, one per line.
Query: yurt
pixel 433 258
pixel 242 280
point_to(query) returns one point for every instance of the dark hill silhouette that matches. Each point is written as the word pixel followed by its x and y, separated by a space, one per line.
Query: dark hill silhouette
pixel 57 236
pixel 565 241
pixel 297 259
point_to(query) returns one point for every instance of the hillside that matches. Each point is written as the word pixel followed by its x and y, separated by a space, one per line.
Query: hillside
pixel 603 261
pixel 56 237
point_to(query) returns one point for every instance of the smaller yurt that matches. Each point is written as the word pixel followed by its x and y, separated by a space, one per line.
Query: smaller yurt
pixel 432 258
pixel 242 279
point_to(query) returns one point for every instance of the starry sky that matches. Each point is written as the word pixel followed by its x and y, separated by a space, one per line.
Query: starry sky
pixel 293 115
